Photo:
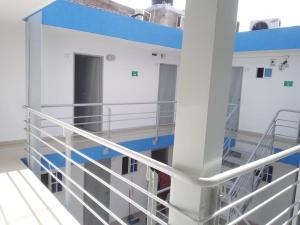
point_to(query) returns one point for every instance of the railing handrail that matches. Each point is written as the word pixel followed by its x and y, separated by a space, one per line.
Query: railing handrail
pixel 106 104
pixel 116 147
pixel 269 128
pixel 173 172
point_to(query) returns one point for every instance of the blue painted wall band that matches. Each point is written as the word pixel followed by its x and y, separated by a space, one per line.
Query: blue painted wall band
pixel 82 18
pixel 141 145
pixel 98 153
pixel 74 16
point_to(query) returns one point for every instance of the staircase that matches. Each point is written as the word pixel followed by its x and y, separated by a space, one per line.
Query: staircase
pixel 285 124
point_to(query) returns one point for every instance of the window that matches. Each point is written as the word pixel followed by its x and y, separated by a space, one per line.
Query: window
pixel 129 166
pixel 133 165
pixel 266 174
pixel 260 73
pixel 264 73
pixel 268 72
pixel 55 185
pixel 52 183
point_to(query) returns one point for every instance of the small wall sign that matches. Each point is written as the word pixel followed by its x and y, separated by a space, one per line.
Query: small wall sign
pixel 288 83
pixel 134 73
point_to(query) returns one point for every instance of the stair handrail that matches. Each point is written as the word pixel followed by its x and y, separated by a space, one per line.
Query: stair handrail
pixel 260 142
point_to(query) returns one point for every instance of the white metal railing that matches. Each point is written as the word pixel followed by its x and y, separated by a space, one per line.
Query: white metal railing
pixel 285 124
pixel 231 128
pixel 112 118
pixel 106 119
pixel 38 136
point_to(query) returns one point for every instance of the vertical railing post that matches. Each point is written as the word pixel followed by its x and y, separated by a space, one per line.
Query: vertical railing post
pixel 35 143
pixel 109 123
pixel 296 199
pixel 27 116
pixel 68 140
pixel 298 137
pixel 106 150
pixel 152 179
pixel 157 122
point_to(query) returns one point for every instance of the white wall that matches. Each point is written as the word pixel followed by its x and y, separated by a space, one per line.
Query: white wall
pixel 262 98
pixel 12 84
pixel 59 47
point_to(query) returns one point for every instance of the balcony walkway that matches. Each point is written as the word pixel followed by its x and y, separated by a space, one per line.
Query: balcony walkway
pixel 24 200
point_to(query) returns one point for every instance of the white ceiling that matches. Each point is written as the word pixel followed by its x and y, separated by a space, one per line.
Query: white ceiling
pixel 13 11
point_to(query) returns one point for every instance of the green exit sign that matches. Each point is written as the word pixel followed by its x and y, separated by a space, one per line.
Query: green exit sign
pixel 134 73
pixel 288 83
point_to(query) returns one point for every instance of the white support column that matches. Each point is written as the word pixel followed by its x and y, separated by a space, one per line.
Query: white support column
pixel 206 65
pixel 33 79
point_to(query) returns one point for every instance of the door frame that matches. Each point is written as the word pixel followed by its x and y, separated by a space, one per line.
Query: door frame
pixel 241 68
pixel 101 85
pixel 175 97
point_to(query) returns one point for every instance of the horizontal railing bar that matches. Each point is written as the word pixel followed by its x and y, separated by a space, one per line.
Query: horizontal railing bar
pixel 105 121
pixel 105 115
pixel 71 192
pixel 285 120
pixel 291 219
pixel 248 196
pixel 249 167
pixel 291 127
pixel 164 190
pixel 106 104
pixel 97 164
pixel 112 214
pixel 282 213
pixel 115 135
pixel 162 214
pixel 170 206
pixel 101 122
pixel 286 136
pixel 137 187
pixel 204 182
pixel 123 150
pixel 126 198
pixel 261 205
